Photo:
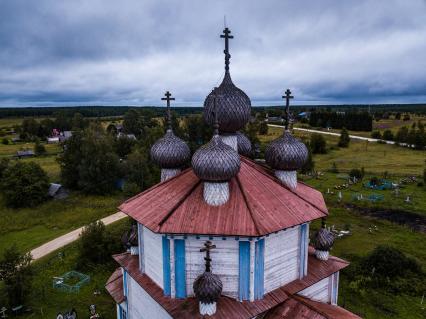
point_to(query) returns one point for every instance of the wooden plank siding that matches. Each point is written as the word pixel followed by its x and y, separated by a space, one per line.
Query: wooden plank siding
pixel 153 256
pixel 141 305
pixel 282 254
pixel 319 291
pixel 224 263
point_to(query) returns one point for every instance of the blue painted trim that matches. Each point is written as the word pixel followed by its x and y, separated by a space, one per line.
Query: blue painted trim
pixel 302 268
pixel 244 270
pixel 125 290
pixel 259 269
pixel 180 273
pixel 166 266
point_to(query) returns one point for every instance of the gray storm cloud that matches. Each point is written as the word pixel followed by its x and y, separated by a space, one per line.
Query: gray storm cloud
pixel 130 52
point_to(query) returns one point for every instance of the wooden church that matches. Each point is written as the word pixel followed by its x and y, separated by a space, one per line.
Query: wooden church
pixel 227 237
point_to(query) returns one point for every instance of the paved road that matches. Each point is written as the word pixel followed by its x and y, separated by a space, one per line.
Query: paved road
pixel 355 137
pixel 68 238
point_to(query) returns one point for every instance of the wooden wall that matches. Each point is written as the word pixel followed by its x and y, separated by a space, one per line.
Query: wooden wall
pixel 153 256
pixel 282 258
pixel 224 263
pixel 142 305
pixel 321 291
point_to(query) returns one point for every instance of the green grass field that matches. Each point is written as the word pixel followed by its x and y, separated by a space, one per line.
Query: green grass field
pixel 31 227
pixel 47 302
pixel 374 157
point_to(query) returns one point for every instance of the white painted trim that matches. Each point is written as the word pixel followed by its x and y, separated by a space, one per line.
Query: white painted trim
pixel 141 248
pixel 172 268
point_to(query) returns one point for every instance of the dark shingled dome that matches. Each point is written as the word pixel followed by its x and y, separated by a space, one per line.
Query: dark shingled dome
pixel 207 287
pixel 323 239
pixel 130 237
pixel 286 153
pixel 233 106
pixel 216 161
pixel 170 151
pixel 244 145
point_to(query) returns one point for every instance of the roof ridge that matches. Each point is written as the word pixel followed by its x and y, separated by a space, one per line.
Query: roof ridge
pixel 173 209
pixel 253 164
pixel 247 205
pixel 185 171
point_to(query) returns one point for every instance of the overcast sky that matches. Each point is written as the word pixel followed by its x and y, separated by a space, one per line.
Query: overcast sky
pixel 97 52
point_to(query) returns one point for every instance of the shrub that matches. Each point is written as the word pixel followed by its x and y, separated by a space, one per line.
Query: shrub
pixel 5 141
pixel 16 273
pixel 357 173
pixel 388 135
pixel 130 189
pixel 374 180
pixel 309 165
pixel 4 163
pixel 318 144
pixel 24 184
pixel 263 128
pixel 344 138
pixel 39 148
pixel 96 245
pixel 424 175
pixel 376 134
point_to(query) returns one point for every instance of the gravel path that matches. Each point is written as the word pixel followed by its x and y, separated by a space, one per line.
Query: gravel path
pixel 68 238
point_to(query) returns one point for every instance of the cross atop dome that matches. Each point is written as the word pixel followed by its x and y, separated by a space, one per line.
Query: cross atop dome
pixel 226 35
pixel 168 98
pixel 287 96
pixel 208 246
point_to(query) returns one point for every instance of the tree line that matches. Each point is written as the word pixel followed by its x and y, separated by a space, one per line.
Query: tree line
pixel 361 121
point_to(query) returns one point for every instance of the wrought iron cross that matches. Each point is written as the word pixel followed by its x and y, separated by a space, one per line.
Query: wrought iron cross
pixel 287 98
pixel 207 247
pixel 226 35
pixel 168 98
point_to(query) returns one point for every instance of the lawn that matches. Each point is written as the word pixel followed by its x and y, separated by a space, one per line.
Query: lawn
pixel 31 227
pixel 47 302
pixel 374 157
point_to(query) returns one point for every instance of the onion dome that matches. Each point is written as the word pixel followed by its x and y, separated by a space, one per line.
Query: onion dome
pixel 130 237
pixel 216 161
pixel 170 151
pixel 207 287
pixel 233 106
pixel 286 153
pixel 244 145
pixel 323 239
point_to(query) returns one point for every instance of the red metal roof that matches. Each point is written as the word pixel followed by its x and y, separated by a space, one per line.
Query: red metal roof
pixel 297 307
pixel 114 286
pixel 293 309
pixel 259 204
pixel 228 307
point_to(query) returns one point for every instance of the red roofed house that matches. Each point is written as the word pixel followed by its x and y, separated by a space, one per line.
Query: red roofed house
pixel 227 237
